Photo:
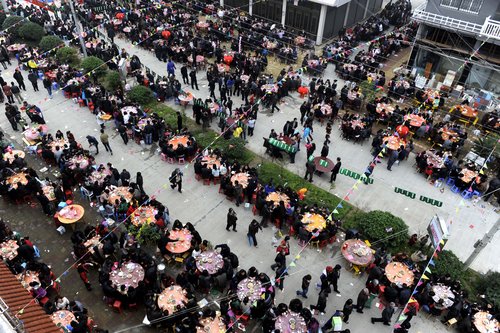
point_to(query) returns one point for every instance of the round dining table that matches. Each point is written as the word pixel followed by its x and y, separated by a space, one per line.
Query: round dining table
pixel 443 296
pixel 290 322
pixel 57 143
pixel 357 123
pixel 81 161
pixel 172 299
pixel 15 47
pixel 70 214
pixel 313 221
pixel 210 161
pixel 199 58
pixel 129 275
pixel 178 140
pixel 183 241
pixel 129 110
pixel 99 176
pixel 468 175
pixel 276 197
pixel 251 288
pixel 63 318
pixel 211 261
pixel 399 273
pixel 11 155
pixel 448 134
pixel 49 193
pixel 143 215
pixel 211 325
pixel 33 133
pixel 383 106
pixel 323 164
pixel 117 193
pixel 467 111
pixel 394 142
pixel 484 322
pixel 242 178
pixel 16 179
pixel 93 242
pixel 415 120
pixel 8 249
pixel 26 278
pixel 357 252
pixel 202 25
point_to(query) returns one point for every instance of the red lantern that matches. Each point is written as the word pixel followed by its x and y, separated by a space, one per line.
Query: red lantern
pixel 165 34
pixel 120 16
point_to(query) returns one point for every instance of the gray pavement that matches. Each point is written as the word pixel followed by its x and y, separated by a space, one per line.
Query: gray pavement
pixel 468 224
pixel 207 209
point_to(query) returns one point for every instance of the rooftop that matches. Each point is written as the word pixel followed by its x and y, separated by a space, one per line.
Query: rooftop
pixel 17 297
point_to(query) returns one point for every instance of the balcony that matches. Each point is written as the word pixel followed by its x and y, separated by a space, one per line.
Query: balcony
pixel 489 30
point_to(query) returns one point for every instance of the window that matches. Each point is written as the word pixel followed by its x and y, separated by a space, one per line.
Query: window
pixel 469 6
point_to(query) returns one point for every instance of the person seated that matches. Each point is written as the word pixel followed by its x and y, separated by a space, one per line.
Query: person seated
pixel 206 173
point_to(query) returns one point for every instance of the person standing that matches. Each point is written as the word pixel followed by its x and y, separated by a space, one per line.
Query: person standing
pixel 386 315
pixel 361 300
pixel 310 168
pixel 335 170
pixel 176 179
pixel 34 80
pixel 18 76
pixel 369 171
pixel 122 129
pixel 393 157
pixel 306 281
pixel 148 133
pixel 347 310
pixel 93 142
pixel 171 67
pixel 321 303
pixel 17 92
pixel 253 229
pixel 47 84
pixel 105 141
pixel 231 219
pixel 281 272
pixel 251 126
pixel 7 90
pixel 279 260
pixel 334 278
pixel 139 181
pixel 184 73
pixel 194 80
pixel 13 116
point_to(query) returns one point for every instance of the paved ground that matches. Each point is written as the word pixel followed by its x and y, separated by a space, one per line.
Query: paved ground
pixel 208 215
pixel 468 224
pixel 209 208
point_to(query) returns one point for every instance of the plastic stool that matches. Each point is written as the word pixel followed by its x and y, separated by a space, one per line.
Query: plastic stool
pixel 466 194
pixel 450 182
pixel 455 189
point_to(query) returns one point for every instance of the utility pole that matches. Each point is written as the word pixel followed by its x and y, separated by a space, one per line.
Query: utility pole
pixel 482 243
pixel 78 28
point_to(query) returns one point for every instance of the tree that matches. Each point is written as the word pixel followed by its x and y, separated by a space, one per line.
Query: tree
pixel 383 227
pixel 141 94
pixel 13 22
pixel 94 65
pixel 50 42
pixel 31 32
pixel 68 56
pixel 112 81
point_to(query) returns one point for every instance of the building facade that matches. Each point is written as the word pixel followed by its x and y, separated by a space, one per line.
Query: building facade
pixel 319 19
pixel 461 36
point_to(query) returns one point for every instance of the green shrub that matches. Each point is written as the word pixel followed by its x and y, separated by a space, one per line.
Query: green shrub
pixel 68 56
pixel 50 42
pixel 378 225
pixel 13 22
pixel 146 234
pixel 489 285
pixel 448 263
pixel 31 32
pixel 141 94
pixel 112 81
pixel 94 65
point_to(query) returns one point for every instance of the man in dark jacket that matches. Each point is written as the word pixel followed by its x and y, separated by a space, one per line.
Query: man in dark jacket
pixel 18 76
pixel 93 142
pixel 253 229
pixel 335 170
pixel 386 315
pixel 310 168
pixel 34 80
pixel 279 261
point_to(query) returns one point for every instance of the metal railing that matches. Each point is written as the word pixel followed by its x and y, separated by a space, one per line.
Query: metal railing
pixel 16 324
pixel 490 29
